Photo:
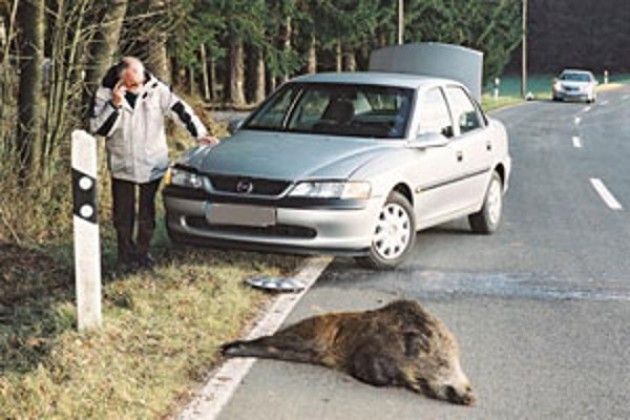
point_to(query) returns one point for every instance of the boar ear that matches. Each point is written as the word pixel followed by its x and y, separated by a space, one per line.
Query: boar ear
pixel 415 342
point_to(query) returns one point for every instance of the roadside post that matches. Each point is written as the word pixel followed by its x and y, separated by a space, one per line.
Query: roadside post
pixel 605 77
pixel 497 85
pixel 87 248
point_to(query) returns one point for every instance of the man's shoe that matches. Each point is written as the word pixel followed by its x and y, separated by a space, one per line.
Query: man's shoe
pixel 145 261
pixel 124 267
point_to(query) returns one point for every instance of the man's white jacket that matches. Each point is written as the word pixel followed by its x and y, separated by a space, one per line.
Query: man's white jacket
pixel 136 138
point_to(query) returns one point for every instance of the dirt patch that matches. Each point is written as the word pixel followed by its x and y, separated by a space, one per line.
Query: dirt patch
pixel 27 273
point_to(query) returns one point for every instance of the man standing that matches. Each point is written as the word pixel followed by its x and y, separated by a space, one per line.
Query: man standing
pixel 129 109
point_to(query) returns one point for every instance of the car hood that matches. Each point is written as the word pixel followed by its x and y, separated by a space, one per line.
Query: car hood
pixel 571 83
pixel 288 156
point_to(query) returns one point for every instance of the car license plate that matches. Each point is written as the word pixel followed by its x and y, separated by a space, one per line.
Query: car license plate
pixel 241 215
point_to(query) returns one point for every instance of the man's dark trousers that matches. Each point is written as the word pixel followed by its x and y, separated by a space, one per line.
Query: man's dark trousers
pixel 124 195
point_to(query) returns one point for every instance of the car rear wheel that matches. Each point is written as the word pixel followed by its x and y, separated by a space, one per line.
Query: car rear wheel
pixel 394 234
pixel 487 220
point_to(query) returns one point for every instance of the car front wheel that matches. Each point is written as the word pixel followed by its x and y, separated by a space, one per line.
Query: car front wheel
pixel 487 220
pixel 394 234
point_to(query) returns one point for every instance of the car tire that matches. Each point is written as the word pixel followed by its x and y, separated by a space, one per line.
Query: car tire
pixel 488 219
pixel 397 214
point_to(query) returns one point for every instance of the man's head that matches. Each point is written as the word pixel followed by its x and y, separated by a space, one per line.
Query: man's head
pixel 132 74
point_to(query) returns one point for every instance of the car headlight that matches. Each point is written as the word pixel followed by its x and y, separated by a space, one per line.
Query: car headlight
pixel 332 189
pixel 183 178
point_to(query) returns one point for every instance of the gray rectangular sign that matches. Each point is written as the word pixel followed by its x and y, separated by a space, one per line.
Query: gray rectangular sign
pixel 435 59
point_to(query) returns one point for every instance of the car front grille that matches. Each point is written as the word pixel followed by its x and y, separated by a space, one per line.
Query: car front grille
pixel 285 231
pixel 259 186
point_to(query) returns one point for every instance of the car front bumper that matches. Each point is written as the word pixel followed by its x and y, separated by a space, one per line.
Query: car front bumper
pixel 578 95
pixel 339 228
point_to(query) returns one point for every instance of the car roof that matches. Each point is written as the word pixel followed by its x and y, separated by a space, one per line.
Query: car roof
pixel 375 78
pixel 576 71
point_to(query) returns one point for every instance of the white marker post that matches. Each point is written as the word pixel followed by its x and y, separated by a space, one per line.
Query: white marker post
pixel 497 84
pixel 87 247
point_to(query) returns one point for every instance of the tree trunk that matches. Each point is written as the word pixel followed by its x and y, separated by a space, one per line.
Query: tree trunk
pixel 213 79
pixel 191 76
pixel 104 46
pixel 234 93
pixel 382 39
pixel 3 34
pixel 286 45
pixel 204 73
pixel 311 58
pixel 256 74
pixel 260 79
pixel 349 60
pixel 7 77
pixel 30 19
pixel 272 83
pixel 157 58
pixel 338 56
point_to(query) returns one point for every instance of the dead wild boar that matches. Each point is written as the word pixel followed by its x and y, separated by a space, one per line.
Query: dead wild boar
pixel 400 344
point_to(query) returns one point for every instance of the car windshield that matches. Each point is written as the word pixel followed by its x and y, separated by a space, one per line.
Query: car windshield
pixel 575 77
pixel 336 109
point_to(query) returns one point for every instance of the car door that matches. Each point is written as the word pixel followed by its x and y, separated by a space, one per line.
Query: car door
pixel 472 147
pixel 434 167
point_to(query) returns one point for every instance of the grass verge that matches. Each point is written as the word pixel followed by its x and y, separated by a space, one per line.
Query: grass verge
pixel 160 335
pixel 489 103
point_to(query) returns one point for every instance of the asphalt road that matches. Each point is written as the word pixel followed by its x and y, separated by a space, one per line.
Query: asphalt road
pixel 541 309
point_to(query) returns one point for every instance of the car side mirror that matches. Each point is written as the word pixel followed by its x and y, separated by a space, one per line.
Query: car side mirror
pixel 427 140
pixel 234 125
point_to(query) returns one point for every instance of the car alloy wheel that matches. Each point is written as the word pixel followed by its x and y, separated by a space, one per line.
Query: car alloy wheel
pixel 487 220
pixel 393 232
pixel 495 201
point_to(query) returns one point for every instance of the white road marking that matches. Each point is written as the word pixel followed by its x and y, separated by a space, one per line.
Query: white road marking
pixel 223 382
pixel 624 97
pixel 605 194
pixel 604 103
pixel 577 143
pixel 577 120
pixel 588 108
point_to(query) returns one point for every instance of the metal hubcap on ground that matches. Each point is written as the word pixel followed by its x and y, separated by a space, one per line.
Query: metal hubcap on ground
pixel 393 232
pixel 494 202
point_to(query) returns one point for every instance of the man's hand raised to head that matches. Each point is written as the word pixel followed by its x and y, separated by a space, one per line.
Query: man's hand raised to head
pixel 118 94
pixel 208 140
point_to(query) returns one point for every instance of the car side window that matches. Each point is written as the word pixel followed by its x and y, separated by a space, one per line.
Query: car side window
pixel 434 114
pixel 465 113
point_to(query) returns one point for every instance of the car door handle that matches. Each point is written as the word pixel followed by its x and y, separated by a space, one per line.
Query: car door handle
pixel 460 156
pixel 489 146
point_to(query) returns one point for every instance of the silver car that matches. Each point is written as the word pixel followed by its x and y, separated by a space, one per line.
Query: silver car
pixel 344 163
pixel 574 85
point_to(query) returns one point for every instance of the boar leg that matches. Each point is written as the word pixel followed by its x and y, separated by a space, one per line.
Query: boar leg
pixel 283 347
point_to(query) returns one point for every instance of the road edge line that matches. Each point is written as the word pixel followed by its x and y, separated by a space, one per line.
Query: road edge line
pixel 225 379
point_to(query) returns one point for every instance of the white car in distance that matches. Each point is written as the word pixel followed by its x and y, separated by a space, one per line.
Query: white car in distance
pixel 575 85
